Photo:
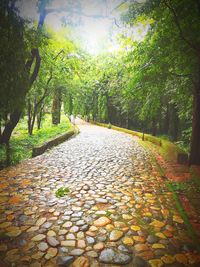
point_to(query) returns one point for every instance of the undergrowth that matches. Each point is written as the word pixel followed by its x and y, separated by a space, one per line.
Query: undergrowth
pixel 21 144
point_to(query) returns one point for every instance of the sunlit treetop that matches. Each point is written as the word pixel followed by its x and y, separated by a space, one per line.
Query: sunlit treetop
pixel 95 23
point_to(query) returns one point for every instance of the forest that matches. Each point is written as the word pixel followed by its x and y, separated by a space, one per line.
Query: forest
pixel 150 83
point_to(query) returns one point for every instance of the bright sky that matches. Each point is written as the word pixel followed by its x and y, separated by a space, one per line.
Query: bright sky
pixel 94 33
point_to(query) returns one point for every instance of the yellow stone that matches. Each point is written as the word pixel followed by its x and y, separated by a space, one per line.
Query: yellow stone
pixel 81 262
pixel 157 223
pixel 14 233
pixel 5 224
pixel 51 233
pixel 94 228
pixel 109 227
pixel 156 263
pixel 148 214
pixel 128 241
pixel 177 219
pixel 161 235
pixel 116 235
pixel 181 258
pixel 127 217
pixel 32 229
pixel 102 221
pixel 135 228
pixel 168 259
pixel 158 246
pixel 148 195
pixel 37 255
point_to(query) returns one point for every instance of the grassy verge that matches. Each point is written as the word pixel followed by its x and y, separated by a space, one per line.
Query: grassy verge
pixel 173 188
pixel 165 148
pixel 21 143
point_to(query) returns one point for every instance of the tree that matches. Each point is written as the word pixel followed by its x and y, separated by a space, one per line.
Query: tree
pixel 176 30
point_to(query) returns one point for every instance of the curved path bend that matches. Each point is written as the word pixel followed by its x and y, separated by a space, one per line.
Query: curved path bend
pixel 118 211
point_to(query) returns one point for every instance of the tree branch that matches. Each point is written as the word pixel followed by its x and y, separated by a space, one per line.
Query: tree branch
pixel 183 76
pixel 180 75
pixel 35 56
pixel 176 20
pixel 61 51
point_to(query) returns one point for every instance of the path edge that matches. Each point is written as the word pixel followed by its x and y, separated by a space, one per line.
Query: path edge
pixel 39 150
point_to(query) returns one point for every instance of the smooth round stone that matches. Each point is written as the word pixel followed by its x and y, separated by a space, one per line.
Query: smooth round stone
pixel 121 258
pixel 63 250
pixel 81 262
pixel 116 235
pixel 77 252
pixel 81 244
pixel 74 229
pixel 99 246
pixel 51 233
pixel 128 241
pixel 101 238
pixel 152 239
pixel 68 212
pixel 64 261
pixel 70 236
pixel 68 243
pixel 47 225
pixel 40 221
pixel 110 256
pixel 92 254
pixel 124 249
pixel 102 221
pixel 14 233
pixel 52 241
pixel 67 225
pixel 38 237
pixel 51 253
pixel 84 228
pixel 42 246
pixel 80 223
pixel 107 256
pixel 101 200
pixel 90 240
pixel 80 235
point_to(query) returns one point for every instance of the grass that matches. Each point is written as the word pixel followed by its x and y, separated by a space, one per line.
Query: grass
pixel 62 191
pixel 21 144
pixel 172 187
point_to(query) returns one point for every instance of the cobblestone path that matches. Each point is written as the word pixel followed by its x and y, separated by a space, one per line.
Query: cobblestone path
pixel 118 211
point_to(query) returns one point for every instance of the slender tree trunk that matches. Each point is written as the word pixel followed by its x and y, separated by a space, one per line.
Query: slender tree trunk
pixel 29 109
pixel 167 120
pixel 174 123
pixel 154 127
pixel 195 140
pixel 56 106
pixel 0 127
pixel 39 118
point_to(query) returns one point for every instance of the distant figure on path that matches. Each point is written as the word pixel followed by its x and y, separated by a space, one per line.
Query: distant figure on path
pixel 72 119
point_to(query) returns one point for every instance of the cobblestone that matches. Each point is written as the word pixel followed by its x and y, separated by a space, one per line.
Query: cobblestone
pixel 114 212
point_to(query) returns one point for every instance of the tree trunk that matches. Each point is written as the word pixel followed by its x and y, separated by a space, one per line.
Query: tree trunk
pixel 56 107
pixel 167 120
pixel 174 123
pixel 39 118
pixel 29 116
pixel 14 119
pixel 195 140
pixel 154 127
